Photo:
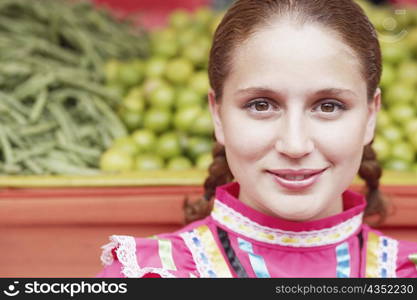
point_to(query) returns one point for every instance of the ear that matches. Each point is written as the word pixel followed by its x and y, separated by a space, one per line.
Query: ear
pixel 373 108
pixel 215 115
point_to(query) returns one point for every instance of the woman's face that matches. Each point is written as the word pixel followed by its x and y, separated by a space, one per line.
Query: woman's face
pixel 294 119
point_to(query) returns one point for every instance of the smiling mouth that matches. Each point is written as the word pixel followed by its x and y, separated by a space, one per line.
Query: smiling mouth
pixel 296 179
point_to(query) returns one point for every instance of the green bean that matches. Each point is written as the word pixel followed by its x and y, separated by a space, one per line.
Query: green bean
pixel 33 166
pixel 34 85
pixel 39 106
pixel 14 138
pixel 60 116
pixel 17 116
pixel 10 101
pixel 62 167
pixel 115 126
pixel 6 147
pixel 93 153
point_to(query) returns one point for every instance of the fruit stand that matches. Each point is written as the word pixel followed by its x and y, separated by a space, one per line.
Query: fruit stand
pixel 120 154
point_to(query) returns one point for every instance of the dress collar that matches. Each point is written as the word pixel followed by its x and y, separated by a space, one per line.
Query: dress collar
pixel 231 213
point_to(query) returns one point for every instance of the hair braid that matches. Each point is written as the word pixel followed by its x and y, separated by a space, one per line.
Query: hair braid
pixel 371 172
pixel 219 174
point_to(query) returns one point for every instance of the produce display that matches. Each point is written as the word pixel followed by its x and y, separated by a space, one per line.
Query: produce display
pixel 165 99
pixel 56 115
pixel 396 137
pixel 85 93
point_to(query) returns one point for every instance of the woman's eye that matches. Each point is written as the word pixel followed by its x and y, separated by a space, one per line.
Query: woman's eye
pixel 260 106
pixel 329 107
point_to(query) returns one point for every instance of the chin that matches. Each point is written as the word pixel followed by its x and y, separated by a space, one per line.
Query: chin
pixel 297 214
pixel 298 217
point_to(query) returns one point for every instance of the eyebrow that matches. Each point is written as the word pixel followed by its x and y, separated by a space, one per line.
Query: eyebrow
pixel 327 91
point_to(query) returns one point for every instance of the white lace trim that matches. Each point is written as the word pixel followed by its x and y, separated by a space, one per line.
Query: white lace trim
pixel 243 225
pixel 387 257
pixel 126 253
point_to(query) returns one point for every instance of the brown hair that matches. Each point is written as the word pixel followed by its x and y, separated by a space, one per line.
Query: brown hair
pixel 347 20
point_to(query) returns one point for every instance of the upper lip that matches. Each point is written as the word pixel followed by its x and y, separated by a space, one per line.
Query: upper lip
pixel 292 172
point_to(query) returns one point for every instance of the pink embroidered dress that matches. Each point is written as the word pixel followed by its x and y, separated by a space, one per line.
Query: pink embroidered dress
pixel 237 241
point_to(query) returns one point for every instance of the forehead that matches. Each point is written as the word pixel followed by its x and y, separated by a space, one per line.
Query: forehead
pixel 296 58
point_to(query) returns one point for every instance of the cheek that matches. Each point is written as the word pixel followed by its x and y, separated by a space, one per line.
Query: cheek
pixel 342 141
pixel 245 138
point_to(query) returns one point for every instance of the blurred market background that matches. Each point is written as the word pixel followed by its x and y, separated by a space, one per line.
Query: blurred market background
pixel 105 128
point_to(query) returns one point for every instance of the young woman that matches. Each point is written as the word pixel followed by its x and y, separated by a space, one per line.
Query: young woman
pixel 294 101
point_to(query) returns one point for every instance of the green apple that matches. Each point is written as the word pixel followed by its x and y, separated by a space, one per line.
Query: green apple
pixel 148 162
pixel 411 132
pixel 164 47
pixel 187 36
pixel 198 145
pixel 155 66
pixel 382 148
pixel 199 82
pixel 407 72
pixel 152 83
pixel 198 51
pixel 144 139
pixel 204 161
pixel 157 119
pixel 397 165
pixel 114 160
pixel 130 74
pixel 203 125
pixel 392 134
pixel 162 96
pixel 126 145
pixel 187 97
pixel 134 100
pixel 132 119
pixel 179 163
pixel 179 70
pixel 412 139
pixel 185 117
pixel 168 145
pixel 400 92
pixel 402 113
pixel 403 151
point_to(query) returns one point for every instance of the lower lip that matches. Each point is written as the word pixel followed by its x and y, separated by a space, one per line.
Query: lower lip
pixel 297 184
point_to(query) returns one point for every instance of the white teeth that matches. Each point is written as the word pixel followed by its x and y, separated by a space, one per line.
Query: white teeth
pixel 297 177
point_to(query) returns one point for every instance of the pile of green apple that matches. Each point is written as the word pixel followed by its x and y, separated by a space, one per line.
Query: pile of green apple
pixel 164 98
pixel 396 136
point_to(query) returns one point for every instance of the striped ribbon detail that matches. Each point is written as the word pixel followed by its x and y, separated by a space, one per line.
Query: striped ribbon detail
pixel 372 256
pixel 257 261
pixel 165 254
pixel 381 256
pixel 206 254
pixel 343 261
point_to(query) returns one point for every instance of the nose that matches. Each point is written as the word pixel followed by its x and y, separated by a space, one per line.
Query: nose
pixel 294 140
